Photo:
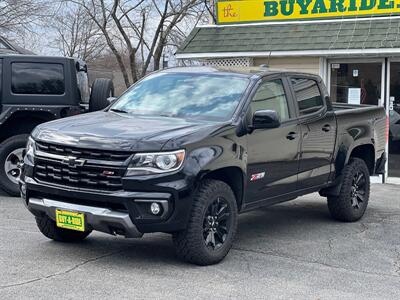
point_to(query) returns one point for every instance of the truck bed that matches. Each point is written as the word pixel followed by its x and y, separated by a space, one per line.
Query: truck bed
pixel 357 120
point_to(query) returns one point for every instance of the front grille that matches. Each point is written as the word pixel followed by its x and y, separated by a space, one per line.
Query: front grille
pixel 99 172
pixel 83 153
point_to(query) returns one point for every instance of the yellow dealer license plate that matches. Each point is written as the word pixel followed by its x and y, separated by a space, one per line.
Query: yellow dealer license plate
pixel 70 220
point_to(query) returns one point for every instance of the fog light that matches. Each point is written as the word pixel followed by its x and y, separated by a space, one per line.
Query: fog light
pixel 155 208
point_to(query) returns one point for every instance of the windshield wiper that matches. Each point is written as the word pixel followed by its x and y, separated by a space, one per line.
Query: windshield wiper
pixel 118 110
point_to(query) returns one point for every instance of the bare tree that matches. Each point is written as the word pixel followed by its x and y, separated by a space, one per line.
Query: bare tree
pixel 18 15
pixel 139 30
pixel 77 34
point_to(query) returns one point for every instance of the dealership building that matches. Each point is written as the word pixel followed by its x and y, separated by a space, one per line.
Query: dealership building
pixel 358 56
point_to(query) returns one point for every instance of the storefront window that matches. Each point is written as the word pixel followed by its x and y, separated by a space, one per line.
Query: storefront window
pixel 356 83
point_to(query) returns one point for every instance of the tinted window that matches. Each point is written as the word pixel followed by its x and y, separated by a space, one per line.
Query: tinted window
pixel 271 95
pixel 308 95
pixel 202 96
pixel 37 78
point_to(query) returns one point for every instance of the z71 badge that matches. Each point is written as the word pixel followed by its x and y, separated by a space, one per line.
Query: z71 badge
pixel 257 176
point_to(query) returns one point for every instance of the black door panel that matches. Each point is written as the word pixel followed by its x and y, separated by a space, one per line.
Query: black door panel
pixel 273 153
pixel 318 130
pixel 277 160
pixel 316 151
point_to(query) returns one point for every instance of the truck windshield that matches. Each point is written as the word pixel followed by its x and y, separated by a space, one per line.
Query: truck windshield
pixel 202 96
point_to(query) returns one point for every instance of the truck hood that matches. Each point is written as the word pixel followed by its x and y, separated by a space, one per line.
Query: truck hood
pixel 117 131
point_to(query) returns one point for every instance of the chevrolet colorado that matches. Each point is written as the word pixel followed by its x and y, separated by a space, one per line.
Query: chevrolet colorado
pixel 185 150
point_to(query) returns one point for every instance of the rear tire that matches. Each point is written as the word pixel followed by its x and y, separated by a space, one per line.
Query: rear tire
pixel 352 201
pixel 50 230
pixel 212 225
pixel 10 160
pixel 102 89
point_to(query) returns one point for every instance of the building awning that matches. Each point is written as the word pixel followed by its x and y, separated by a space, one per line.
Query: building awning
pixel 369 36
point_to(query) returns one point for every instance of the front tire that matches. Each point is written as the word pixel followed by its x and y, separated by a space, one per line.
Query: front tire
pixel 352 201
pixel 212 225
pixel 50 230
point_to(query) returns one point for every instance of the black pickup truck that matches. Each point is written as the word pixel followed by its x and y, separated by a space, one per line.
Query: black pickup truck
pixel 36 89
pixel 185 150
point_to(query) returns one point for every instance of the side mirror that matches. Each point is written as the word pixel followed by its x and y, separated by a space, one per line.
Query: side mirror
pixel 265 119
pixel 111 100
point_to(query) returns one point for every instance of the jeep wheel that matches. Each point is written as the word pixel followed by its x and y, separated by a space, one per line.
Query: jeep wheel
pixel 212 225
pixel 102 89
pixel 352 201
pixel 50 230
pixel 11 158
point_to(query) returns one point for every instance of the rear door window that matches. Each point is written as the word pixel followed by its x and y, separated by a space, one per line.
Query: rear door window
pixel 37 78
pixel 308 95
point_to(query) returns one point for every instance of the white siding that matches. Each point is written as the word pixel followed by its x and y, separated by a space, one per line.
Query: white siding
pixel 300 64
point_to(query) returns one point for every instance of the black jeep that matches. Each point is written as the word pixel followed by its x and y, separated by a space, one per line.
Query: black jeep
pixel 37 89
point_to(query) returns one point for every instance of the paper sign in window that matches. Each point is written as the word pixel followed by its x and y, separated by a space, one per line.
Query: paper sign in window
pixel 354 96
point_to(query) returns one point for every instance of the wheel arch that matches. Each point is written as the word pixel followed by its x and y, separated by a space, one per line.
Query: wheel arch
pixel 366 152
pixel 232 176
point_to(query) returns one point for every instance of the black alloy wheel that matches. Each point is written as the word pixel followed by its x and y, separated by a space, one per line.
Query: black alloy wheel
pixel 216 224
pixel 358 190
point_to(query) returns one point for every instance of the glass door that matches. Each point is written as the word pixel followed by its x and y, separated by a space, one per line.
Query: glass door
pixel 394 120
pixel 358 81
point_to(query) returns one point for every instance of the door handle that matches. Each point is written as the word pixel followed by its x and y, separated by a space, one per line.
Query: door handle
pixel 326 128
pixel 291 135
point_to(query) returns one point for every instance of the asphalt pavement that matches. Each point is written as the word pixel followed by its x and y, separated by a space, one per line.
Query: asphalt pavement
pixel 288 251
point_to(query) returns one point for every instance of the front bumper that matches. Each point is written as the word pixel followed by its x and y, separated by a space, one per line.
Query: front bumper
pixel 101 219
pixel 129 208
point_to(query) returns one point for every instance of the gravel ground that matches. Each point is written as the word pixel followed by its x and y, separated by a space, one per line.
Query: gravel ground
pixel 292 250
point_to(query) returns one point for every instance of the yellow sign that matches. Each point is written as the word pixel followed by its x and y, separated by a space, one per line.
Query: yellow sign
pixel 242 11
pixel 70 220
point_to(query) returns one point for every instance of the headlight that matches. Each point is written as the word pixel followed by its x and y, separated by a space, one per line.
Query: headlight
pixel 155 163
pixel 30 149
pixel 30 146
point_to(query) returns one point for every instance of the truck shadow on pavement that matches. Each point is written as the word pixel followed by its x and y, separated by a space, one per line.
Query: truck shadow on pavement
pixel 256 230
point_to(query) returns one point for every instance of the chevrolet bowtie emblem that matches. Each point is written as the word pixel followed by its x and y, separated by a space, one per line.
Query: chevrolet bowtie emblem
pixel 73 162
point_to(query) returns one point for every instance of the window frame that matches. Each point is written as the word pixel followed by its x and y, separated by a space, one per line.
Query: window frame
pixel 37 63
pixel 318 81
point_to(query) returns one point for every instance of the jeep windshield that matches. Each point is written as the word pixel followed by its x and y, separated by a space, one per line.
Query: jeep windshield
pixel 201 96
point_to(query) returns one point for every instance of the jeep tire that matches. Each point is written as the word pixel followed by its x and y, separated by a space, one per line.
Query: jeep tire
pixel 102 89
pixel 11 151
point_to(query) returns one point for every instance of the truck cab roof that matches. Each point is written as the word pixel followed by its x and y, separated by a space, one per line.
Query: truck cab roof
pixel 250 72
